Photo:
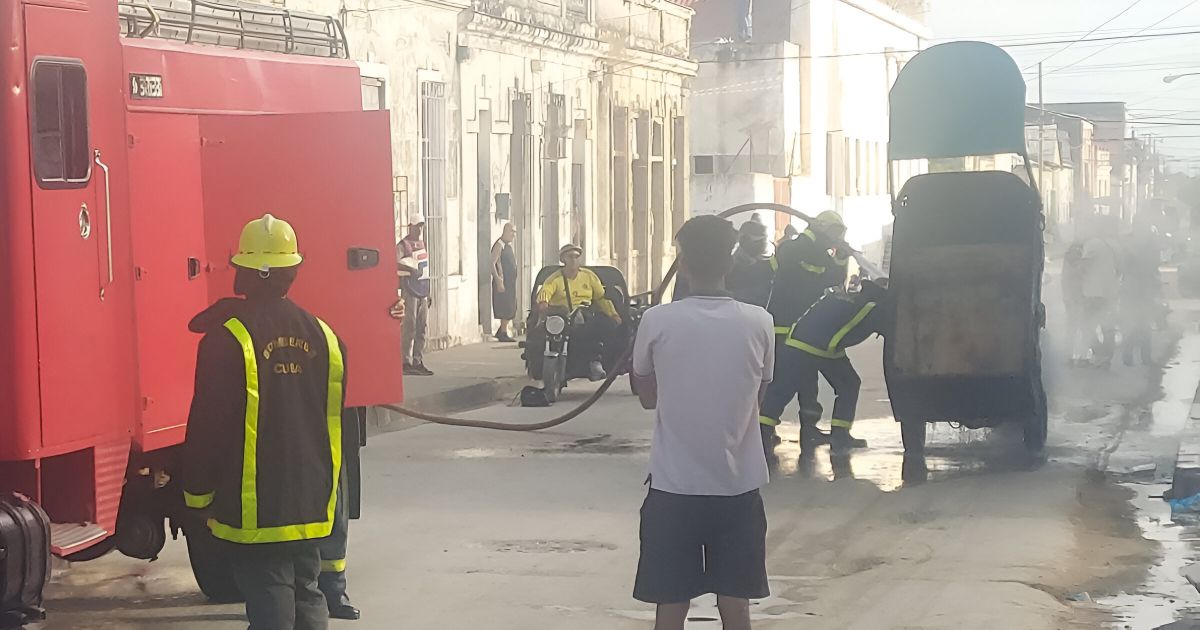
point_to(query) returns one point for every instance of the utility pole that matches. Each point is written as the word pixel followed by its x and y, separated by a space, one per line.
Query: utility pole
pixel 1041 157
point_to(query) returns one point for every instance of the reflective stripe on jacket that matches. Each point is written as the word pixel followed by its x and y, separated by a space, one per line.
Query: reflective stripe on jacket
pixel 836 322
pixel 264 444
pixel 803 270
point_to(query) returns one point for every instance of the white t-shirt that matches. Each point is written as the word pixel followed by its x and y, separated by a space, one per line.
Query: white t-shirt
pixel 710 356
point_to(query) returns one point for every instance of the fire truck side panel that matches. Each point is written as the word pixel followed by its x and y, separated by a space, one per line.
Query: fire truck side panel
pixel 329 174
pixel 168 256
pixel 20 404
pixel 82 269
pixel 167 192
pixel 199 79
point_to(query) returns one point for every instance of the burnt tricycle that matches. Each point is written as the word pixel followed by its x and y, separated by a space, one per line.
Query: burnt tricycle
pixel 967 251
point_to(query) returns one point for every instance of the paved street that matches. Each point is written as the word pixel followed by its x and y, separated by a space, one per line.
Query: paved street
pixel 473 529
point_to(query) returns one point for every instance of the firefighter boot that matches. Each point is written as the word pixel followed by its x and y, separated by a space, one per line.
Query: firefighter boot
pixel 811 436
pixel 843 442
pixel 769 440
pixel 333 585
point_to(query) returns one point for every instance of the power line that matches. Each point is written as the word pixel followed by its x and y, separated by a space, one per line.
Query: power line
pixel 1098 39
pixel 1089 33
pixel 1020 45
pixel 1118 43
pixel 1042 34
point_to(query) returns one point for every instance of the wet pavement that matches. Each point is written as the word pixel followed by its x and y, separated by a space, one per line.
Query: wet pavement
pixel 473 529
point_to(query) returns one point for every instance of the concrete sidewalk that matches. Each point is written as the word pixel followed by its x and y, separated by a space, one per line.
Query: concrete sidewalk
pixel 465 377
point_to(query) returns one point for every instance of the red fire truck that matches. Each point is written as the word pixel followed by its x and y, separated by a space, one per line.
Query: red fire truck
pixel 137 137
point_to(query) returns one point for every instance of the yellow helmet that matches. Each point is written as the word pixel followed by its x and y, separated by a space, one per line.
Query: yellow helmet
pixel 831 218
pixel 267 243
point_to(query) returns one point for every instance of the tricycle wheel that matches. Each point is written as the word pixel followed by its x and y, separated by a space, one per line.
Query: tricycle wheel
pixel 633 388
pixel 210 566
pixel 552 380
pixel 1037 427
pixel 912 432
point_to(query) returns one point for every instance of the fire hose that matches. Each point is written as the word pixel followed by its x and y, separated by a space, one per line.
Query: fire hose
pixel 656 298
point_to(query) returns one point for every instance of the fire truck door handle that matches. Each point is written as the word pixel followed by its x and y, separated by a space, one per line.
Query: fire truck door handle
pixel 107 218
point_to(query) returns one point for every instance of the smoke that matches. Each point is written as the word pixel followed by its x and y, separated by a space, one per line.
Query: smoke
pixel 1104 296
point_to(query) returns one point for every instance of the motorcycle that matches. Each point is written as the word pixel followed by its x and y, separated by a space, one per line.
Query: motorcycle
pixel 548 357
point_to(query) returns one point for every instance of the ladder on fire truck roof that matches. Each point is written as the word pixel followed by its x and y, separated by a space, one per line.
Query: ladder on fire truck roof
pixel 234 24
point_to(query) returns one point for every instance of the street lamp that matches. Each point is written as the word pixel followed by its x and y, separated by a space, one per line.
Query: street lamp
pixel 1173 77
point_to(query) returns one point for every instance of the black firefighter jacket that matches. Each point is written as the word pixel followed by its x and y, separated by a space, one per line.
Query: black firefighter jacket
pixel 803 270
pixel 264 438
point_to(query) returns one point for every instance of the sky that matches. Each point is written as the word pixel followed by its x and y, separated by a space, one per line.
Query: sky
pixel 1129 70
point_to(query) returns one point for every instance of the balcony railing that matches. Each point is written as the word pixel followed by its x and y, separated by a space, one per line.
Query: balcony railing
pixel 234 24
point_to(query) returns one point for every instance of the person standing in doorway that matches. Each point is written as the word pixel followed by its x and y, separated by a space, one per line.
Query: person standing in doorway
pixel 504 282
pixel 414 288
pixel 703 363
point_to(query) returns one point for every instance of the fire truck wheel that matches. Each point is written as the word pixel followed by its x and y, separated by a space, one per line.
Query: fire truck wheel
pixel 213 574
pixel 140 536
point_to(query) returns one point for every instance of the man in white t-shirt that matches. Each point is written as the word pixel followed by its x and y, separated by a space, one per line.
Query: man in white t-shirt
pixel 703 363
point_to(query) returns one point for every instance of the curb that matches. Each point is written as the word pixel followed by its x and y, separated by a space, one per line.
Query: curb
pixel 450 401
pixel 1186 479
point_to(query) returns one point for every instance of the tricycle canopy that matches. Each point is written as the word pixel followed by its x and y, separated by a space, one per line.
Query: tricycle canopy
pixel 955 100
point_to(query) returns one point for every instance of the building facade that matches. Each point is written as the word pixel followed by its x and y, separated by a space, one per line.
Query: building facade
pixel 563 117
pixel 799 113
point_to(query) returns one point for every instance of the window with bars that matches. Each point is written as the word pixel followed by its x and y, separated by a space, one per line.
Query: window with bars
pixel 433 148
pixel 433 197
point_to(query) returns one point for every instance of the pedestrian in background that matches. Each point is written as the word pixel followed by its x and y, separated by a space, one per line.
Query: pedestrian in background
pixel 1074 303
pixel 1101 283
pixel 504 282
pixel 1140 287
pixel 414 289
pixel 703 363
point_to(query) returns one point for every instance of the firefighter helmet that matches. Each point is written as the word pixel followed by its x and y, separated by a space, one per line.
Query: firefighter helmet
pixel 831 219
pixel 267 243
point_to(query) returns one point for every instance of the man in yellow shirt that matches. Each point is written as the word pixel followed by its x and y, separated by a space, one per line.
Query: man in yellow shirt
pixel 595 337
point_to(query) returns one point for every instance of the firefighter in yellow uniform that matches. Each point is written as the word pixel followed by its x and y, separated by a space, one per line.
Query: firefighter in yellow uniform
pixel 804 267
pixel 816 346
pixel 263 454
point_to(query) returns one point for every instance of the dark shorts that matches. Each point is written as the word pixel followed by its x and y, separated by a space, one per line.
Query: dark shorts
pixel 692 545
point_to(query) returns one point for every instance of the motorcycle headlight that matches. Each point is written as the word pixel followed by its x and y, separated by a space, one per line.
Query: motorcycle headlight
pixel 555 324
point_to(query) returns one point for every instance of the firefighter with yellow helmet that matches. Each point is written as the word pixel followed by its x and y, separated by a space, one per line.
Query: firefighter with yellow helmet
pixel 804 268
pixel 264 449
